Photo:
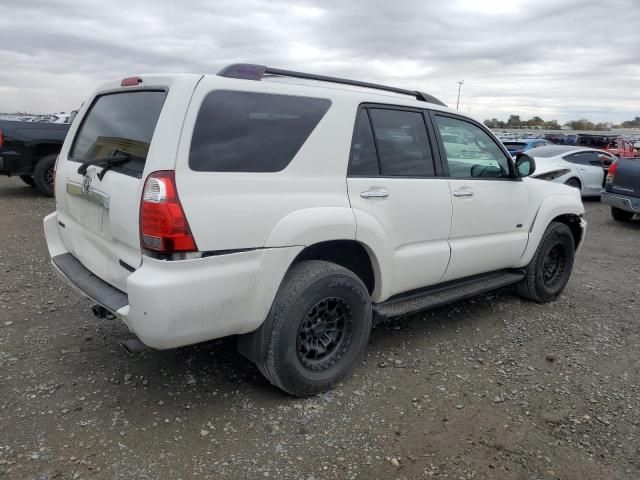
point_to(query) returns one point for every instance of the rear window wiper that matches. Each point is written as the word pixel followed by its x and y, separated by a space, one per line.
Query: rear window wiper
pixel 106 161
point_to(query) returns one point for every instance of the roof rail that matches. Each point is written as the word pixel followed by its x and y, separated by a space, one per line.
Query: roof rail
pixel 247 71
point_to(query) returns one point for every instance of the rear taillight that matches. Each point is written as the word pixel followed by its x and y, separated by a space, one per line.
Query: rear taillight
pixel 163 224
pixel 612 172
pixel 1 138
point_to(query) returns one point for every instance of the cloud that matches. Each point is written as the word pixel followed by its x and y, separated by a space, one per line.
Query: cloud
pixel 555 59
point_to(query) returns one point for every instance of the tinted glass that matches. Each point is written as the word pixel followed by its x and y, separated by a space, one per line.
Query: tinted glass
pixel 252 132
pixel 119 123
pixel 402 141
pixel 582 158
pixel 364 160
pixel 479 157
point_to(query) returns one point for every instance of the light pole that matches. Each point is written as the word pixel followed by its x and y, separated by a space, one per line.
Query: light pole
pixel 460 82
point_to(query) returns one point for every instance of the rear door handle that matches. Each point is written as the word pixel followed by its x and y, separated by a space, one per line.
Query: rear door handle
pixel 374 194
pixel 463 193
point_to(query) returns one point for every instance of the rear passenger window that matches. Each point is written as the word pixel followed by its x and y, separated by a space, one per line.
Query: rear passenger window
pixel 402 141
pixel 581 158
pixel 364 161
pixel 252 132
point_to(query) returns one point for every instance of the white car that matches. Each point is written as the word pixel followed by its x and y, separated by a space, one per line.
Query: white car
pixel 578 167
pixel 294 210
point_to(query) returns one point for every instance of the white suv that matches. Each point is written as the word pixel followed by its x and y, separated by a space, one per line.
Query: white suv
pixel 294 210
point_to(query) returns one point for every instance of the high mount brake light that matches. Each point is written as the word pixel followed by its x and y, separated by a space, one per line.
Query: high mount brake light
pixel 163 224
pixel 130 82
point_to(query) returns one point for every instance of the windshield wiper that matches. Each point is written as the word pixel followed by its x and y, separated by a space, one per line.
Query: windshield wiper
pixel 107 161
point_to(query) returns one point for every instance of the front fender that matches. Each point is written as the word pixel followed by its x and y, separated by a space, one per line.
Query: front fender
pixel 552 207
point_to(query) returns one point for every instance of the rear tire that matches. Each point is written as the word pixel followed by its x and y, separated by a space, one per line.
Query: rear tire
pixel 550 268
pixel 43 174
pixel 319 327
pixel 621 215
pixel 28 179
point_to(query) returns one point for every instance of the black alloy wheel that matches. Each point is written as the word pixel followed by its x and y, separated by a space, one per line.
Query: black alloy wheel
pixel 325 333
pixel 554 264
pixel 550 268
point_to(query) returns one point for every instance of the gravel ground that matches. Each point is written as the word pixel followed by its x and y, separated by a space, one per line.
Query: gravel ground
pixel 493 387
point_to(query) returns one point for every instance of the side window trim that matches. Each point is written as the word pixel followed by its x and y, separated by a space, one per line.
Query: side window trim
pixel 375 139
pixel 437 147
pixel 359 111
pixel 512 176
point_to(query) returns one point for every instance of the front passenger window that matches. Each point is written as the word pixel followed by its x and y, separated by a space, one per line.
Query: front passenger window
pixel 478 156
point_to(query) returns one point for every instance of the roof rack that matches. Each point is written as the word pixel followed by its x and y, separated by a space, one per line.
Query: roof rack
pixel 247 71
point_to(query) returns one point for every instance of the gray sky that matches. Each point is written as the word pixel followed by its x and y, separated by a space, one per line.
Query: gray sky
pixel 561 59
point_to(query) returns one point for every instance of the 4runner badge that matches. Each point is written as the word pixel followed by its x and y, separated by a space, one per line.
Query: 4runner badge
pixel 86 185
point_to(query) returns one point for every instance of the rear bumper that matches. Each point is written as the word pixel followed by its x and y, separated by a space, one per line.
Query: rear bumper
pixel 629 204
pixel 174 303
pixel 14 165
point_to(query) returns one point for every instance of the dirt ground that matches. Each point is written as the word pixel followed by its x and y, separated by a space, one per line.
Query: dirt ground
pixel 493 387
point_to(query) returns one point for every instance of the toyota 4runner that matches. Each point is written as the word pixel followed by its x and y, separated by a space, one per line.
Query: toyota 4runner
pixel 294 210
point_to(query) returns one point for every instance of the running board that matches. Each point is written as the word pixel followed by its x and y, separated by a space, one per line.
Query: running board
pixel 436 296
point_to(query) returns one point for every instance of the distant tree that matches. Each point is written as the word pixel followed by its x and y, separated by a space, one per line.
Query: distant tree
pixel 635 123
pixel 582 124
pixel 494 123
pixel 514 121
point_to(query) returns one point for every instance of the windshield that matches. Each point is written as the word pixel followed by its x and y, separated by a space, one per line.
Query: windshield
pixel 119 124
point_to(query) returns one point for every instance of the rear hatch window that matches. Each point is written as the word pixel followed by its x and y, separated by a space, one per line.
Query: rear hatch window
pixel 119 124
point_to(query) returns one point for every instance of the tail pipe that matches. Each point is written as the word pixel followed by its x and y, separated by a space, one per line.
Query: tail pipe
pixel 134 345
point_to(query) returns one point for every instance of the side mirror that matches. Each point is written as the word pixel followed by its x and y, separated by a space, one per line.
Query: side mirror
pixel 525 165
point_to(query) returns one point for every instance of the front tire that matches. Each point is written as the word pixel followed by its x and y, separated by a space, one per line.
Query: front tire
pixel 319 327
pixel 550 268
pixel 43 174
pixel 621 215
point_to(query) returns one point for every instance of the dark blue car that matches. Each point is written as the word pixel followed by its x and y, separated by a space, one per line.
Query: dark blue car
pixel 519 146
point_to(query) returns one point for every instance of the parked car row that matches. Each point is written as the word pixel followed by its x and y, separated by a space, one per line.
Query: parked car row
pixel 595 173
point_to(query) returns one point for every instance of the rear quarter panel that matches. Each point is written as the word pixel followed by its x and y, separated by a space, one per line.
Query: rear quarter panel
pixel 236 210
